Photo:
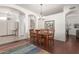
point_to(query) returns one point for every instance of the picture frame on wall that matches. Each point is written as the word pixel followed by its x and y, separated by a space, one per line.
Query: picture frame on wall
pixel 49 24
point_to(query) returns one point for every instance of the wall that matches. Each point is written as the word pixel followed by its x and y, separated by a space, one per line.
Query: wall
pixel 3 27
pixel 59 25
pixel 40 24
pixel 26 22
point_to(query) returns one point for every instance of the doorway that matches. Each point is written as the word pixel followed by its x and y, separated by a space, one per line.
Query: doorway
pixel 72 25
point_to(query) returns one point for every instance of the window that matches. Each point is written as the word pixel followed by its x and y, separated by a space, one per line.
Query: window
pixel 3 18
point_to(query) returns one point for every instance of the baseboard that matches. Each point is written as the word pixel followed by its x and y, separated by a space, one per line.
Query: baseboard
pixel 59 41
pixel 13 42
pixel 7 35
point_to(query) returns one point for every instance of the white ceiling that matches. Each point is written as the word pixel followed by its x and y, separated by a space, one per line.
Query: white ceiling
pixel 48 9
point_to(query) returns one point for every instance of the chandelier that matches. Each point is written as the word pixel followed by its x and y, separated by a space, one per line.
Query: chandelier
pixel 41 13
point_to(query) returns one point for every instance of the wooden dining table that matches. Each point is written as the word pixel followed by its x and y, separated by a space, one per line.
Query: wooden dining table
pixel 44 35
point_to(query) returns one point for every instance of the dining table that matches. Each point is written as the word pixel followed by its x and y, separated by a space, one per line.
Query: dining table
pixel 44 37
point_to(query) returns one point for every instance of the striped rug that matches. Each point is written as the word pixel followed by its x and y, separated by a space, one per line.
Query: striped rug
pixel 26 49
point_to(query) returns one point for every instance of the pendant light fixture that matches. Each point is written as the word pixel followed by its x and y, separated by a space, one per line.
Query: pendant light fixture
pixel 41 12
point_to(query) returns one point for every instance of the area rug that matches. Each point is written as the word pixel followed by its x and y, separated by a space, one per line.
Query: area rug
pixel 26 49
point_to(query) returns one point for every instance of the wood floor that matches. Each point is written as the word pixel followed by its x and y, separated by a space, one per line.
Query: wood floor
pixel 69 47
pixel 12 45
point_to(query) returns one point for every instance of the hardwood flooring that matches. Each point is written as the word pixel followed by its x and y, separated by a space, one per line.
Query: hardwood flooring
pixel 13 45
pixel 71 46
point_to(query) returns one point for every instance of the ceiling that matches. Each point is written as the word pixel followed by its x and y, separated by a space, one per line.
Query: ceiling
pixel 47 9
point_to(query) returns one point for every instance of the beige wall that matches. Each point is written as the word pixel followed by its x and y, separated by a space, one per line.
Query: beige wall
pixel 3 28
pixel 59 25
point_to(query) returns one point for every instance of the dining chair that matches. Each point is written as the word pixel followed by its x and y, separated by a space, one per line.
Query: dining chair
pixel 33 36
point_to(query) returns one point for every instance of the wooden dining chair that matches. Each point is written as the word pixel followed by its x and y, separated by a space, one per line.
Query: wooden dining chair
pixel 51 39
pixel 40 39
pixel 33 36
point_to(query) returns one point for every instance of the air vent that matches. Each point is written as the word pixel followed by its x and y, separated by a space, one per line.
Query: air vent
pixel 72 7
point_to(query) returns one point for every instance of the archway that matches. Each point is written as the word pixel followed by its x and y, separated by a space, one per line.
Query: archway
pixel 12 15
pixel 72 23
